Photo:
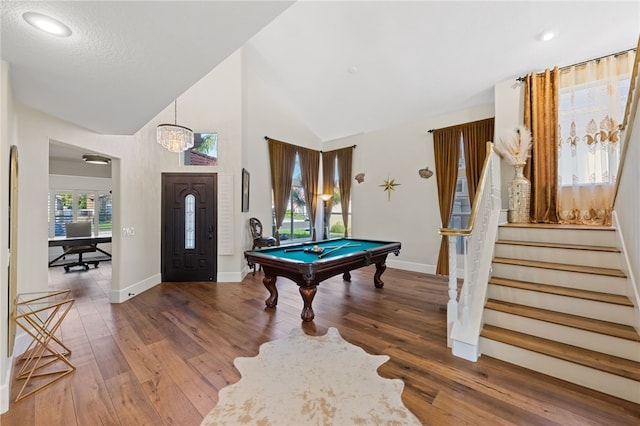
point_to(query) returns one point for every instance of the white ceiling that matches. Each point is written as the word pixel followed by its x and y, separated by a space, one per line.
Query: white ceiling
pixel 345 67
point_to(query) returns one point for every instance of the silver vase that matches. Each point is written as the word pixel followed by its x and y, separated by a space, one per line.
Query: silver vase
pixel 519 196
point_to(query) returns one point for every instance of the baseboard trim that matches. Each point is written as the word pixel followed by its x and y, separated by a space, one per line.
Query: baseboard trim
pixel 411 266
pixel 4 387
pixel 232 277
pixel 119 296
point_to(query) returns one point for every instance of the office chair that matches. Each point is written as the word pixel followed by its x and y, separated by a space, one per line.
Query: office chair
pixel 255 226
pixel 78 229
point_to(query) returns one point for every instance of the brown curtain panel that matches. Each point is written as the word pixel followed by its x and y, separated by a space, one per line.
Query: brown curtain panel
pixel 328 176
pixel 446 147
pixel 345 159
pixel 309 167
pixel 475 136
pixel 282 159
pixel 541 117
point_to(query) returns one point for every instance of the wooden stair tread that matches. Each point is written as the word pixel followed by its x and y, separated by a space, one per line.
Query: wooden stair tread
pixel 583 323
pixel 616 299
pixel 597 360
pixel 559 245
pixel 562 267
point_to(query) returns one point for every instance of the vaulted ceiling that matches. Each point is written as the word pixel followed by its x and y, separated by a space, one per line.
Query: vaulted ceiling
pixel 345 67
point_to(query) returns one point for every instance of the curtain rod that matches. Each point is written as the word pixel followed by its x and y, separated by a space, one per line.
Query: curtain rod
pixel 462 125
pixel 352 146
pixel 521 79
pixel 267 138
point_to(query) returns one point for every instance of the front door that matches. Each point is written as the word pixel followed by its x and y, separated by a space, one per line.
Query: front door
pixel 189 234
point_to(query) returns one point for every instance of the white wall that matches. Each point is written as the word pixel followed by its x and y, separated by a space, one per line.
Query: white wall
pixel 266 115
pixel 509 106
pixel 7 138
pixel 412 215
pixel 627 207
pixel 78 168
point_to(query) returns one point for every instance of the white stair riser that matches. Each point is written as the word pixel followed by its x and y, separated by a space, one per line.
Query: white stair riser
pixel 584 376
pixel 611 345
pixel 589 237
pixel 599 259
pixel 579 280
pixel 570 305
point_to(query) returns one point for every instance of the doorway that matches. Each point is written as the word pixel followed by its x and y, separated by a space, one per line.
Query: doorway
pixel 189 227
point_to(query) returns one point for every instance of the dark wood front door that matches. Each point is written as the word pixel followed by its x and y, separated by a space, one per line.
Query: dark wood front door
pixel 189 233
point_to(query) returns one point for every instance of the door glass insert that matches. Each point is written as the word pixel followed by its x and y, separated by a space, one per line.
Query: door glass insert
pixel 190 222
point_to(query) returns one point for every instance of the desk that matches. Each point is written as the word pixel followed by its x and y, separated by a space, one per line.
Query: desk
pixel 80 241
pixel 308 269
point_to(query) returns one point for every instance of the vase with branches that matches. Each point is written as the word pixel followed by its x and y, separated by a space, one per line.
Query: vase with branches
pixel 513 145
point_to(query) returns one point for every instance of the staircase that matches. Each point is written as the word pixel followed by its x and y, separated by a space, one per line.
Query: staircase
pixel 557 304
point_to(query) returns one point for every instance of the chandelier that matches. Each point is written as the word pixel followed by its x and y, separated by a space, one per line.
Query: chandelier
pixel 173 137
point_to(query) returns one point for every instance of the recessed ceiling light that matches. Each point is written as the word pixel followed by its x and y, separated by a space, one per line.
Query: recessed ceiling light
pixel 47 24
pixel 547 35
pixel 96 159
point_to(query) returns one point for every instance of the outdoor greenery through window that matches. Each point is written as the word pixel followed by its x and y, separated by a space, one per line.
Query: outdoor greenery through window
pixel 76 206
pixel 204 151
pixel 336 224
pixel 295 225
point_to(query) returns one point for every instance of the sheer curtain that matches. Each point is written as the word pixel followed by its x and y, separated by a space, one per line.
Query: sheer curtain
pixel 591 104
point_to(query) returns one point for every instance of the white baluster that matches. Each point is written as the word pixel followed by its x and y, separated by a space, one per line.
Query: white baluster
pixel 468 283
pixel 452 305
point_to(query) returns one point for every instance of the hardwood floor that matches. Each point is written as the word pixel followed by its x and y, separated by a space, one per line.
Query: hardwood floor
pixel 161 357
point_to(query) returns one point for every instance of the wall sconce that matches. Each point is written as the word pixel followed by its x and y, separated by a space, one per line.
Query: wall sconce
pixel 425 173
pixel 96 159
pixel 360 177
pixel 325 217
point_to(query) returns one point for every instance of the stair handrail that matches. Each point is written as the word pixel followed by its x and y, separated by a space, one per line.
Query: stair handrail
pixel 628 119
pixel 464 313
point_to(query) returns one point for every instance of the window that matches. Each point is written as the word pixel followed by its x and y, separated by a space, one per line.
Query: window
pixel 295 225
pixel 584 113
pixel 336 225
pixel 461 204
pixel 204 151
pixel 78 206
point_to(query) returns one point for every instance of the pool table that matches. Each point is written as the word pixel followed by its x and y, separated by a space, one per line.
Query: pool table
pixel 308 264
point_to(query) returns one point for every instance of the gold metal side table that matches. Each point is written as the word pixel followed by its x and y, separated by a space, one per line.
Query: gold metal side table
pixel 46 359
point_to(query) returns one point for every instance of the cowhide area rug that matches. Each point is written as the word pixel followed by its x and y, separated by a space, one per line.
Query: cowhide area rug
pixel 311 380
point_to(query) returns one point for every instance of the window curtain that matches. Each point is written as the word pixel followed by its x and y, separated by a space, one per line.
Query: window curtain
pixel 446 147
pixel 475 136
pixel 345 159
pixel 309 166
pixel 328 176
pixel 282 158
pixel 592 100
pixel 541 117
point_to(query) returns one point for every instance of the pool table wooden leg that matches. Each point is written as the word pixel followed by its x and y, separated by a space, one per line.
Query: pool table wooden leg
pixel 307 293
pixel 380 268
pixel 270 284
pixel 346 276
